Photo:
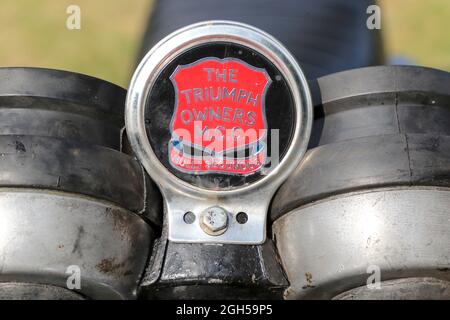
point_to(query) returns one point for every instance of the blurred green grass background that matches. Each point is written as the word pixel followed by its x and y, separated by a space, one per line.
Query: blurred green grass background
pixel 34 33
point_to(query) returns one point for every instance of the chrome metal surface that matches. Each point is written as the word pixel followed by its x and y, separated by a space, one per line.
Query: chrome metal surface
pixel 181 196
pixel 43 233
pixel 214 221
pixel 332 246
pixel 33 291
pixel 401 289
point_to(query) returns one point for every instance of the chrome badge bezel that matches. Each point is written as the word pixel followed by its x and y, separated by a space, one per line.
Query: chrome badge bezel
pixel 180 196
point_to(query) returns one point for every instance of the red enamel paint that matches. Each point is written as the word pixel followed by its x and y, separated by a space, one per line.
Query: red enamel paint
pixel 219 112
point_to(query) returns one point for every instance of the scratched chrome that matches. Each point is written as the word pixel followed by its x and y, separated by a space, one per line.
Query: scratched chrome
pixel 328 247
pixel 42 233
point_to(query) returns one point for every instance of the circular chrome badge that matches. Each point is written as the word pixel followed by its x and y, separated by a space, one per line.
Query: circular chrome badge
pixel 218 110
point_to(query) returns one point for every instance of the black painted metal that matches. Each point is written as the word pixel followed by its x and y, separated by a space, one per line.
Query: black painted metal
pixel 52 163
pixel 374 127
pixel 213 271
pixel 64 131
pixel 88 93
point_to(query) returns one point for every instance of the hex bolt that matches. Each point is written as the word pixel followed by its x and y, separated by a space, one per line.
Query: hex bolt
pixel 214 221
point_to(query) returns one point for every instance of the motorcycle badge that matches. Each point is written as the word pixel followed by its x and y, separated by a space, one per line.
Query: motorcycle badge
pixel 231 124
pixel 219 123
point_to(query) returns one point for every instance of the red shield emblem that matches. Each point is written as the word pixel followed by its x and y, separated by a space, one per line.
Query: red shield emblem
pixel 219 122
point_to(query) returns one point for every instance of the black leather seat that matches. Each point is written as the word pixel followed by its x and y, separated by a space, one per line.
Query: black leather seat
pixel 326 36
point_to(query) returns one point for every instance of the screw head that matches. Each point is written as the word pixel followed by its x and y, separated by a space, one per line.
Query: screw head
pixel 214 220
pixel 242 218
pixel 189 217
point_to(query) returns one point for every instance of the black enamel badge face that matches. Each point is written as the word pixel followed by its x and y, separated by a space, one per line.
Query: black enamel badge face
pixel 220 116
